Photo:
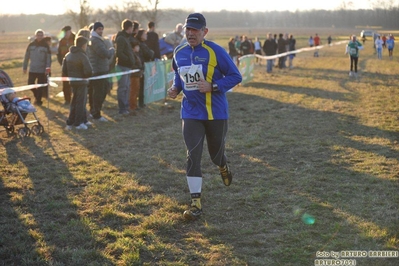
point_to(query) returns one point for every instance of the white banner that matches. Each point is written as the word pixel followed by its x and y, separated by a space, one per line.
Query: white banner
pixel 291 52
pixel 52 79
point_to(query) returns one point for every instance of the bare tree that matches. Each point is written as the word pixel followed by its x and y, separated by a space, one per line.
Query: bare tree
pixel 345 5
pixel 132 10
pixel 382 4
pixel 152 13
pixel 129 10
pixel 82 18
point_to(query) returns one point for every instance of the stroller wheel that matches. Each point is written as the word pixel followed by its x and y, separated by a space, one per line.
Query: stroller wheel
pixel 37 129
pixel 24 132
pixel 41 129
pixel 10 129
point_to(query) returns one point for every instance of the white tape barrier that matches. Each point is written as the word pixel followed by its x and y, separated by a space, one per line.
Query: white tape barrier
pixel 291 52
pixel 52 79
pixel 93 78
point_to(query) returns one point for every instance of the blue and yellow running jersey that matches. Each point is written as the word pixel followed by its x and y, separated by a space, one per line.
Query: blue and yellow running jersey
pixel 211 62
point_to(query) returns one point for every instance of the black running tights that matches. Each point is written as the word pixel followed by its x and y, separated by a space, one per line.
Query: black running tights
pixel 194 133
pixel 354 63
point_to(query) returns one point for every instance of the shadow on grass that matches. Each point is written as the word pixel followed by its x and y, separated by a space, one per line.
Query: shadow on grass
pixel 300 150
pixel 286 163
pixel 287 160
pixel 40 224
pixel 319 93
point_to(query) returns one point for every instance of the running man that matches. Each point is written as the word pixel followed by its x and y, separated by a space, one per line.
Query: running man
pixel 204 72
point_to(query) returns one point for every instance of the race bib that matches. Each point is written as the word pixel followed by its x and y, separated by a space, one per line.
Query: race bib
pixel 191 75
pixel 353 51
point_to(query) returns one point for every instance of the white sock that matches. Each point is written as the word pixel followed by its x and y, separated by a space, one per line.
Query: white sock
pixel 194 184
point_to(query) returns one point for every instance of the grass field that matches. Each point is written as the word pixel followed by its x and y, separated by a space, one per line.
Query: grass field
pixel 314 155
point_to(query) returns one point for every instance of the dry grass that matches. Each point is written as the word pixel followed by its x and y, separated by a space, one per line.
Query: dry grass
pixel 309 141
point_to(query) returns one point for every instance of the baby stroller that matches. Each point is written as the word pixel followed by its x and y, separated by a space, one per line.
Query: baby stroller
pixel 14 112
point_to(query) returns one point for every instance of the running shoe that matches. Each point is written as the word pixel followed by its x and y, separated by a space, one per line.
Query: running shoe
pixel 195 210
pixel 226 175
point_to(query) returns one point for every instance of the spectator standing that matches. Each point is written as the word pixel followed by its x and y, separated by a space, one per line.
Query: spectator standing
pixel 364 39
pixel 146 55
pixel 252 46
pixel 310 41
pixel 384 40
pixel 287 48
pixel 63 48
pixel 258 49
pixel 317 42
pixel 390 45
pixel 245 46
pixel 153 40
pixel 269 48
pixel 276 40
pixel 38 57
pixel 125 61
pixel 76 64
pixel 237 44
pixel 109 42
pixel 204 81
pixel 99 55
pixel 329 40
pixel 138 65
pixel 136 76
pixel 86 32
pixel 352 48
pixel 174 38
pixel 281 48
pixel 136 26
pixel 232 50
pixel 291 47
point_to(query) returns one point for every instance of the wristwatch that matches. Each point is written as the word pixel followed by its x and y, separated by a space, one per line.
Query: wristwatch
pixel 215 87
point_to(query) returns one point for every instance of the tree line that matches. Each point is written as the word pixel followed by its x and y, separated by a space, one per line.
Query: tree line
pixel 386 18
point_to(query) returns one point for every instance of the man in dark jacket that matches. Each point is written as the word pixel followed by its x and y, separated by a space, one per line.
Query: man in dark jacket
pixel 281 48
pixel 76 64
pixel 63 48
pixel 125 61
pixel 245 46
pixel 153 40
pixel 146 55
pixel 270 48
pixel 99 59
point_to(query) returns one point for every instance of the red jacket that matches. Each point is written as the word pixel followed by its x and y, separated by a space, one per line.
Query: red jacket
pixel 316 40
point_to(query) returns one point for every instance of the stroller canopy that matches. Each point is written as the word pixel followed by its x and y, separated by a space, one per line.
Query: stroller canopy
pixel 5 81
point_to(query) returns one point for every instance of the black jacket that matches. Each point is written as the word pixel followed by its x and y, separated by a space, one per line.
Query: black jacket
pixel 146 54
pixel 76 64
pixel 281 43
pixel 124 50
pixel 153 43
pixel 270 47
